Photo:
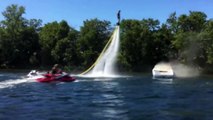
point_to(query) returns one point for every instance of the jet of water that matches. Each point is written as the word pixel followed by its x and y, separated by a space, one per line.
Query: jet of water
pixel 105 67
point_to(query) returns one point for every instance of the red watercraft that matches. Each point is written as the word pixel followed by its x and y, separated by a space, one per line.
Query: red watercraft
pixel 56 78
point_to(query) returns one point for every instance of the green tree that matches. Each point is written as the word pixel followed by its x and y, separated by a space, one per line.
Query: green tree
pixel 162 45
pixel 131 50
pixel 93 37
pixel 137 43
pixel 2 47
pixel 35 23
pixel 194 22
pixel 13 25
pixel 48 39
pixel 65 51
pixel 188 40
pixel 172 23
pixel 208 41
pixel 18 38
pixel 144 43
pixel 58 43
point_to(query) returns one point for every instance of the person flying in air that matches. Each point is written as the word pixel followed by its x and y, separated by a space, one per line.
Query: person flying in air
pixel 119 17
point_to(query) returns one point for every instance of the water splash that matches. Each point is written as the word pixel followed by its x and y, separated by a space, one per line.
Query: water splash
pixel 10 83
pixel 105 67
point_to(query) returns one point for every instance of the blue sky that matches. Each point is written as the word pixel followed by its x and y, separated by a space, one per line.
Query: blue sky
pixel 77 11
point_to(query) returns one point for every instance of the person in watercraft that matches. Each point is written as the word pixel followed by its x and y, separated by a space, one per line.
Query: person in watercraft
pixel 56 69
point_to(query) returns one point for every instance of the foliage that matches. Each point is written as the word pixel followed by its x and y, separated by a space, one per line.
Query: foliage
pixel 19 39
pixel 187 38
pixel 208 41
pixel 93 37
pixel 58 43
pixel 143 43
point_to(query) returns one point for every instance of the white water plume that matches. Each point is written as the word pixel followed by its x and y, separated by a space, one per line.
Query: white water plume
pixel 105 67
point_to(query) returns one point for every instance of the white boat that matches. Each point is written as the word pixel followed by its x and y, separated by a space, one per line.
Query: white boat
pixel 162 70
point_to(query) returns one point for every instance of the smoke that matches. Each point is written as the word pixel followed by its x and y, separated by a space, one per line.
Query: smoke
pixel 182 70
pixel 192 54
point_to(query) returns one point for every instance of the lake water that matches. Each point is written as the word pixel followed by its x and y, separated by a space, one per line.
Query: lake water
pixel 123 98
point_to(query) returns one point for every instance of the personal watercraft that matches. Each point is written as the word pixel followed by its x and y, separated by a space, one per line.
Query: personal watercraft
pixel 56 78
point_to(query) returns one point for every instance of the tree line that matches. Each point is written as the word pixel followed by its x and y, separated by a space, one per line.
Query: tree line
pixel 143 43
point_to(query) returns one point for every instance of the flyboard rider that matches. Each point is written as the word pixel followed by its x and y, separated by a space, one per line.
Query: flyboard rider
pixel 119 17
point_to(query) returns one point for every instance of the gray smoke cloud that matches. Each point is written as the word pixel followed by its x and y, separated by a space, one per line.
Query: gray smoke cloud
pixel 182 70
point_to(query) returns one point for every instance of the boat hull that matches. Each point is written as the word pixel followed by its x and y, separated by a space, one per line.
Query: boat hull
pixel 162 74
pixel 163 70
pixel 55 78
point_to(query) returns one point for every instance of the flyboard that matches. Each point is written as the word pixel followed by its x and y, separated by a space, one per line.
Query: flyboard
pixel 104 66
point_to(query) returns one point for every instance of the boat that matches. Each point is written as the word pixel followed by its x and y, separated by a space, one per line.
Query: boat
pixel 47 78
pixel 163 70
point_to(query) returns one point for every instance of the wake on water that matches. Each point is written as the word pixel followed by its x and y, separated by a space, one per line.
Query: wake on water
pixel 20 80
pixel 12 82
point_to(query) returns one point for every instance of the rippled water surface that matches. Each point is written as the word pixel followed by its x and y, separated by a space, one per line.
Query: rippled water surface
pixel 123 98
